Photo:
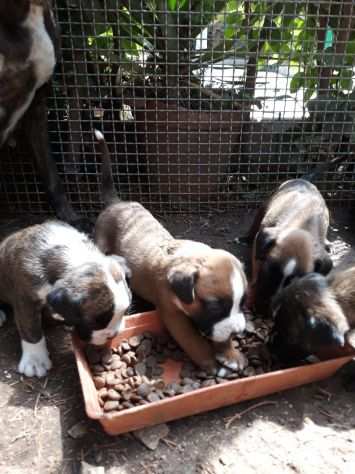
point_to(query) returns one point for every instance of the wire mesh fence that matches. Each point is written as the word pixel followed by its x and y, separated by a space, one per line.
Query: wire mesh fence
pixel 205 104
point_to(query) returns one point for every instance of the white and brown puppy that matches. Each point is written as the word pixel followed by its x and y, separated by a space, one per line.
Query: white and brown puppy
pixel 198 290
pixel 289 240
pixel 52 266
pixel 315 315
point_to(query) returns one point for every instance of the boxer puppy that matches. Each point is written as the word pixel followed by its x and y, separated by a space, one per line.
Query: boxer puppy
pixel 315 315
pixel 53 267
pixel 29 45
pixel 289 240
pixel 197 290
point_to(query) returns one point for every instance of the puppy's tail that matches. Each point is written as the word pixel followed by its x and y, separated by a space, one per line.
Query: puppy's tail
pixel 323 167
pixel 108 191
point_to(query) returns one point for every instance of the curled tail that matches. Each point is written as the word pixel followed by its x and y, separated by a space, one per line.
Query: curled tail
pixel 108 191
pixel 323 167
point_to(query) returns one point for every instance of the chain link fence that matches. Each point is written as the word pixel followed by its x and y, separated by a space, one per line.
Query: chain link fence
pixel 206 105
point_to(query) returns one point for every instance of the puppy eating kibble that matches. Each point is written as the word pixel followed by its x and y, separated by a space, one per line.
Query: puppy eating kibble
pixel 54 267
pixel 289 240
pixel 315 315
pixel 198 290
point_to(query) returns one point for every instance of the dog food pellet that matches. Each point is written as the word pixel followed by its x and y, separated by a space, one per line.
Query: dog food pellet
pixel 144 390
pixel 99 382
pixel 153 397
pixel 111 405
pixel 134 341
pixel 208 383
pixel 113 395
pixel 125 346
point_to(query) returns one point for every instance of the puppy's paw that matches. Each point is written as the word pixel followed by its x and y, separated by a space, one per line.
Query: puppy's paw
pixel 235 361
pixel 2 317
pixel 35 359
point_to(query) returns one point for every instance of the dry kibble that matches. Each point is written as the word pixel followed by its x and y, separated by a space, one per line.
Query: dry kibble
pixel 113 395
pixel 99 381
pixel 111 379
pixel 127 358
pixel 159 384
pixel 187 381
pixel 153 397
pixel 111 405
pixel 116 364
pixel 127 405
pixel 102 393
pixel 144 390
pixel 208 383
pixel 130 372
pixel 125 346
pixel 134 341
pixel 148 335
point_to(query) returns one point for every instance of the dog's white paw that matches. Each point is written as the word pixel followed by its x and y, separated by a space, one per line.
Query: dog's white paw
pixel 35 359
pixel 2 317
pixel 240 363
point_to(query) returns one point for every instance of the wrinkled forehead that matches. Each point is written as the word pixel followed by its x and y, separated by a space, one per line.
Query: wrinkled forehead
pixel 221 278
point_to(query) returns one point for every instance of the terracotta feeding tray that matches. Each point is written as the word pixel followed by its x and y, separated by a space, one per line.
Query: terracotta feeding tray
pixel 197 401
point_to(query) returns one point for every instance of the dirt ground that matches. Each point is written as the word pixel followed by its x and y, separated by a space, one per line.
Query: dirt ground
pixel 308 430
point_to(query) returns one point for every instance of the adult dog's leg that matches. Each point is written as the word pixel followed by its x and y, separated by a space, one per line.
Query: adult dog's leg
pixel 35 125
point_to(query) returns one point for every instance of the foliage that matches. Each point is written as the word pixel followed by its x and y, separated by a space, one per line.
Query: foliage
pixel 157 44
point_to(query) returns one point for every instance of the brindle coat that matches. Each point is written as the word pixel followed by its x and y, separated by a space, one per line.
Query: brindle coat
pixel 189 282
pixel 315 314
pixel 289 239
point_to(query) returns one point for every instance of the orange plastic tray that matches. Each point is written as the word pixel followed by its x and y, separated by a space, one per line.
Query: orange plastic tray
pixel 198 401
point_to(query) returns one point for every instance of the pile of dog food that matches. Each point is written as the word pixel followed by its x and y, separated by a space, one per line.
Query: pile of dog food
pixel 131 374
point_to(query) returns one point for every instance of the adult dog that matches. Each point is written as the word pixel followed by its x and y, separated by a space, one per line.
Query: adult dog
pixel 28 51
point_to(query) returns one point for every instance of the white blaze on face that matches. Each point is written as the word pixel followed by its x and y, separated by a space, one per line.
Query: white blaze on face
pixel 121 301
pixel 235 322
pixel 290 267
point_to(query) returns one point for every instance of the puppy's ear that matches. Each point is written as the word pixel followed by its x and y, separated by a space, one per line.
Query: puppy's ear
pixel 182 281
pixel 67 306
pixel 265 239
pixel 323 265
pixel 123 264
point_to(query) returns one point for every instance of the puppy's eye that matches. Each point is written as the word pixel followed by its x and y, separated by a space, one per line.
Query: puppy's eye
pixel 288 280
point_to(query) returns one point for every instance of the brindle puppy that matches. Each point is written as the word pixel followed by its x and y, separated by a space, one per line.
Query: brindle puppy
pixel 289 240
